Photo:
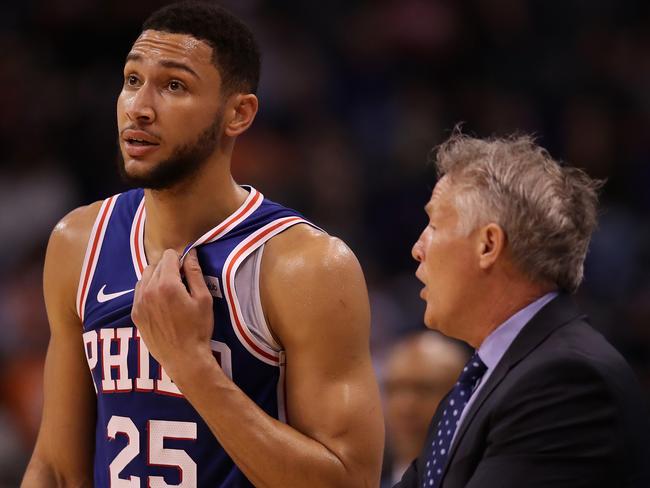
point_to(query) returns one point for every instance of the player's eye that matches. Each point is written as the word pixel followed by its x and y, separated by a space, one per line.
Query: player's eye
pixel 131 80
pixel 175 86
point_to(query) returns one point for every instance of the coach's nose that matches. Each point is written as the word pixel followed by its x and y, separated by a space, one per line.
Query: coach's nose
pixel 417 251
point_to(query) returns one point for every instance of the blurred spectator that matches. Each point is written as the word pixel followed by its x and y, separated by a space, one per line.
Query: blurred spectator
pixel 419 372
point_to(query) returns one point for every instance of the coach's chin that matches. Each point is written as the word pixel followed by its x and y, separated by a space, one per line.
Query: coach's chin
pixel 544 400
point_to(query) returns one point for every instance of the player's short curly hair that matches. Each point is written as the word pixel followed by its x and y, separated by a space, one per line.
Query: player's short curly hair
pixel 235 52
pixel 548 211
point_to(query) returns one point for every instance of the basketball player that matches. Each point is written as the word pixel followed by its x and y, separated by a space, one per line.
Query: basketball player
pixel 226 338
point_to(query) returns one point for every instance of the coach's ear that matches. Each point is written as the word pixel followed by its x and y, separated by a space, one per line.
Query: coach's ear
pixel 240 113
pixel 491 242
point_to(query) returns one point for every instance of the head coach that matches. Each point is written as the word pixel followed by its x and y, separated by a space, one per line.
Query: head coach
pixel 545 400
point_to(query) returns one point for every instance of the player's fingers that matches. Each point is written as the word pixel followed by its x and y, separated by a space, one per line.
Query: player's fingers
pixel 144 279
pixel 169 264
pixel 167 281
pixel 168 272
pixel 156 276
pixel 147 273
pixel 137 311
pixel 194 276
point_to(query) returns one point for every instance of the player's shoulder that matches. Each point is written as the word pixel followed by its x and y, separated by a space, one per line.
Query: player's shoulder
pixel 73 230
pixel 311 281
pixel 303 250
pixel 64 258
pixel 67 245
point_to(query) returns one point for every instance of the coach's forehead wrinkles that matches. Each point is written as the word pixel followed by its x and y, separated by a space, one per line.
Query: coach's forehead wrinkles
pixel 179 46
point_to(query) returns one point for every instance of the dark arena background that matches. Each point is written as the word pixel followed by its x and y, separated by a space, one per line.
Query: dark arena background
pixel 353 97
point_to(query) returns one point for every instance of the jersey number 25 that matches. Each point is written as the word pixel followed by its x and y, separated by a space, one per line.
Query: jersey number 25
pixel 157 454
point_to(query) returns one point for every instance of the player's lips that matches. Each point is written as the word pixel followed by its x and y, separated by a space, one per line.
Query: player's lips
pixel 137 150
pixel 138 143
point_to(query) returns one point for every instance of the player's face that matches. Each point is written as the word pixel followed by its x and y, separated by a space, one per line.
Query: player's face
pixel 169 112
pixel 447 263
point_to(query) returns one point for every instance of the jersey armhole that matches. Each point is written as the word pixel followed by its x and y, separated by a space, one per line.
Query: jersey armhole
pixel 265 330
pixel 254 335
pixel 247 290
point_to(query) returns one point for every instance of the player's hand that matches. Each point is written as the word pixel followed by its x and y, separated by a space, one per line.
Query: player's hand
pixel 175 322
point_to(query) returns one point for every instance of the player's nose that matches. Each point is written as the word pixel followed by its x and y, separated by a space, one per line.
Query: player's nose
pixel 140 107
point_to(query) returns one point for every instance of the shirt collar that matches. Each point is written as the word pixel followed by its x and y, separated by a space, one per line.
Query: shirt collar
pixel 497 343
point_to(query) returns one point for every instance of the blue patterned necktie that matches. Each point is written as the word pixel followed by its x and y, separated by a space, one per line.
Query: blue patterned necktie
pixel 452 409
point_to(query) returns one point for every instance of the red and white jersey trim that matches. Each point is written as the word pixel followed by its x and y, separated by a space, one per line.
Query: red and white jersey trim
pixel 137 240
pixel 256 347
pixel 93 250
pixel 252 203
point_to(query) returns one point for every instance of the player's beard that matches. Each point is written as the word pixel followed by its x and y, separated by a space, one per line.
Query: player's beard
pixel 184 163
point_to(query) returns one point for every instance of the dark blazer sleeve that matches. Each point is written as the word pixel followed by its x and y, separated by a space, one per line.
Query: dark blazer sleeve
pixel 559 425
pixel 410 478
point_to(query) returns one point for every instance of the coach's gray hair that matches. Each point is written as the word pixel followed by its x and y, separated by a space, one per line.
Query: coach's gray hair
pixel 548 211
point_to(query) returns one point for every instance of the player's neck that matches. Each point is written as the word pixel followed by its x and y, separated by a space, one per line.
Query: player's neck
pixel 176 218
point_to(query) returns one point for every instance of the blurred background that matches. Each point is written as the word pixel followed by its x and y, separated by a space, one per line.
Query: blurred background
pixel 354 95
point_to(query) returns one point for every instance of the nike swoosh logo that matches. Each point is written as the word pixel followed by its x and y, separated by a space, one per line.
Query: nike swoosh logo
pixel 105 297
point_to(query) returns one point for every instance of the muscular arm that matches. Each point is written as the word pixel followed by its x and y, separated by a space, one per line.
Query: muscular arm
pixel 316 303
pixel 63 453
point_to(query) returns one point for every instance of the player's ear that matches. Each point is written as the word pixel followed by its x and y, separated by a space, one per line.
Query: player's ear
pixel 240 113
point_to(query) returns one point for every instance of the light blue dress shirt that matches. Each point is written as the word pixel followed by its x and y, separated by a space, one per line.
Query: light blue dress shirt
pixel 497 343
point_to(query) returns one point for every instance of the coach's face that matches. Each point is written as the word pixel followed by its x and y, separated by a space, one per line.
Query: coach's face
pixel 169 109
pixel 448 263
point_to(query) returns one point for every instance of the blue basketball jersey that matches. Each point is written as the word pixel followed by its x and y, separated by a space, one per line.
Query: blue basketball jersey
pixel 147 433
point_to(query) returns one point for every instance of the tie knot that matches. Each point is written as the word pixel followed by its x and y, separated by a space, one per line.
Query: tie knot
pixel 473 371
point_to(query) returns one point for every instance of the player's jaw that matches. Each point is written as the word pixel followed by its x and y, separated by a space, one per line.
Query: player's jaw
pixel 156 165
